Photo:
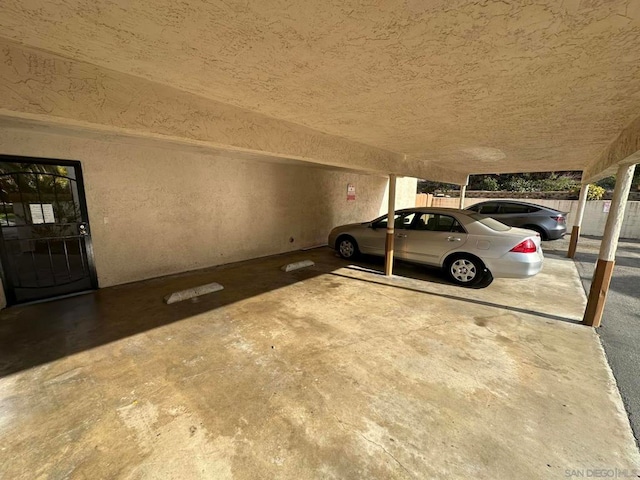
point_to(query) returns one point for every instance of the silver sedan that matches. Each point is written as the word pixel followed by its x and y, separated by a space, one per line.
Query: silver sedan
pixel 471 249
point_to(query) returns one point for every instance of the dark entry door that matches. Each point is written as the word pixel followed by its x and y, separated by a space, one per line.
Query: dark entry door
pixel 46 242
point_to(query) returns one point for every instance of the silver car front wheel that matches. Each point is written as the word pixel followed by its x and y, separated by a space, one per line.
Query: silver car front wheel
pixel 347 248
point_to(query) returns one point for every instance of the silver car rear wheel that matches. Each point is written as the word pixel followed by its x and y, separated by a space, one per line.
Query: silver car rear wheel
pixel 347 247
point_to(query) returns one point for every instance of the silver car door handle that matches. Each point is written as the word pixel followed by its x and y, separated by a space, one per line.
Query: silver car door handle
pixel 453 239
pixel 401 235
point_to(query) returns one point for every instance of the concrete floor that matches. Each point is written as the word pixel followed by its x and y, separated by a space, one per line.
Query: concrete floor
pixel 330 372
pixel 620 329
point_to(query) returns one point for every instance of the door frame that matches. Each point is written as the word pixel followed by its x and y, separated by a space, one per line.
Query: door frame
pixel 82 200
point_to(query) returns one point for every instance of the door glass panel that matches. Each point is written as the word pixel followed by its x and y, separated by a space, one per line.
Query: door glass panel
pixel 401 221
pixel 445 223
pixel 426 221
pixel 457 228
pixel 438 223
pixel 404 221
pixel 44 232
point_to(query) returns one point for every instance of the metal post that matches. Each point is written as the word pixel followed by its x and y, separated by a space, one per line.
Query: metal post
pixel 463 191
pixel 575 231
pixel 606 259
pixel 388 251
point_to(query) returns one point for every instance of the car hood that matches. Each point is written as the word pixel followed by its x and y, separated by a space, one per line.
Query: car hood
pixel 350 226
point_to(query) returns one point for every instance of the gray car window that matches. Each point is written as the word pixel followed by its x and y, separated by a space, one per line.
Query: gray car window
pixel 489 208
pixel 514 208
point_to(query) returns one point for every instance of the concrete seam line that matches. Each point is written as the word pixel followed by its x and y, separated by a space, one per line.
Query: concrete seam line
pixel 296 265
pixel 615 394
pixel 192 292
pixel 312 247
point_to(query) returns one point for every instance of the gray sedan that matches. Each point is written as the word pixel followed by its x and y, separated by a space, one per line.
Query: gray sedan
pixel 549 223
pixel 472 249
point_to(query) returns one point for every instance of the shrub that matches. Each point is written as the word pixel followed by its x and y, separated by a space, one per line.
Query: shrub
pixel 557 184
pixel 490 184
pixel 518 184
pixel 427 186
pixel 595 192
pixel 608 183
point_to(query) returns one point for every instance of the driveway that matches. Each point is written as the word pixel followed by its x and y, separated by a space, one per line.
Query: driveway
pixel 329 372
pixel 620 329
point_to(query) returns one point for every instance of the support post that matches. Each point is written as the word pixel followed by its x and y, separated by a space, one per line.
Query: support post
pixel 606 259
pixel 575 231
pixel 388 250
pixel 463 191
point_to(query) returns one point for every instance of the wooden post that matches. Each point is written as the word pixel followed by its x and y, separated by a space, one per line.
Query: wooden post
pixel 606 258
pixel 388 250
pixel 429 199
pixel 575 231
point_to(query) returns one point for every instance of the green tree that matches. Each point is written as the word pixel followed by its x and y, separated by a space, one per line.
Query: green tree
pixel 427 186
pixel 609 183
pixel 526 182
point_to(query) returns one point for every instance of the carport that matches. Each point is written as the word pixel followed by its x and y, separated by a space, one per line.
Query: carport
pixel 402 90
pixel 209 133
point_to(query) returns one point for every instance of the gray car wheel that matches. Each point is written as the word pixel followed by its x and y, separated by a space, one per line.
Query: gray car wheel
pixel 347 247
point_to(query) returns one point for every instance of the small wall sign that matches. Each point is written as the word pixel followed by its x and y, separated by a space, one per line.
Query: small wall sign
pixel 606 206
pixel 42 213
pixel 351 191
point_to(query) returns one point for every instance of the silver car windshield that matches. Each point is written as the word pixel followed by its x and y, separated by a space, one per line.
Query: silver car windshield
pixel 491 223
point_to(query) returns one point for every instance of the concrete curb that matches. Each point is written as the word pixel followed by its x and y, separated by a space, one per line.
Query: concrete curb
pixel 192 292
pixel 296 265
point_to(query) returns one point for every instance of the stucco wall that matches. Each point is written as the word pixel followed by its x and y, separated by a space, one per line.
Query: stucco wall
pixel 155 211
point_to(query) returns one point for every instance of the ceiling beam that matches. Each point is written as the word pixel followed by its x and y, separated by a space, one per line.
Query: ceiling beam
pixel 625 149
pixel 39 86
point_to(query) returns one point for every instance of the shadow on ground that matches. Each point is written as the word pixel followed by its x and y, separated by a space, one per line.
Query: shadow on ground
pixel 37 334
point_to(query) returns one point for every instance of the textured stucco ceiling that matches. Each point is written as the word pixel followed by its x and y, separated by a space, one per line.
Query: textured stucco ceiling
pixel 483 86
